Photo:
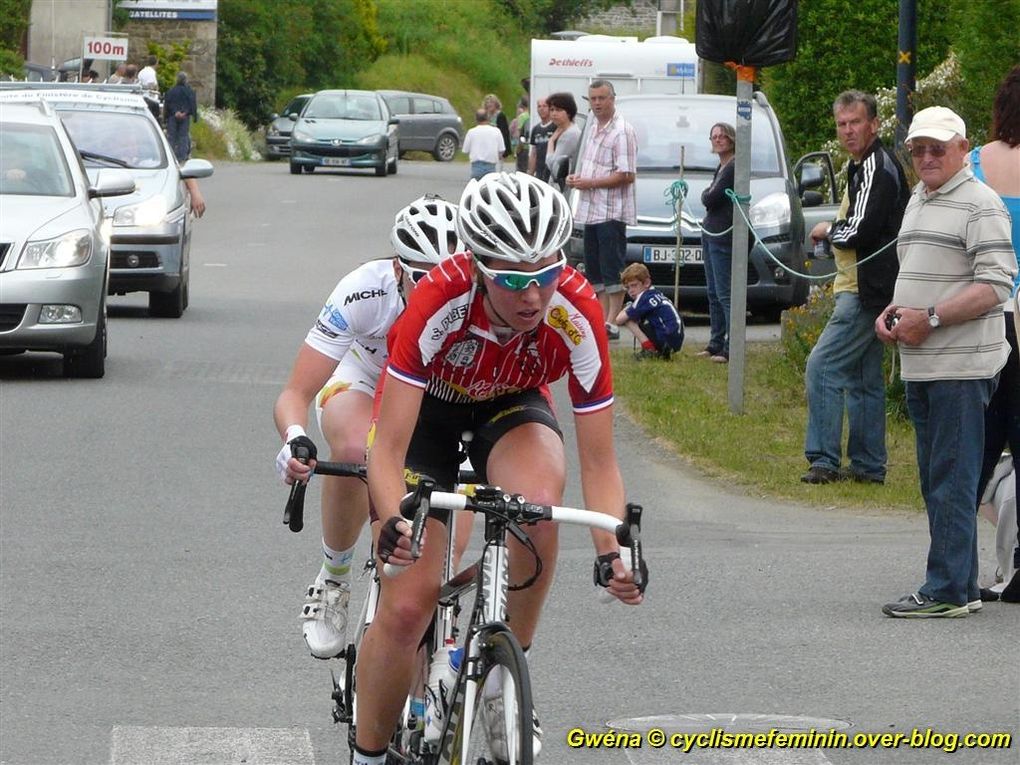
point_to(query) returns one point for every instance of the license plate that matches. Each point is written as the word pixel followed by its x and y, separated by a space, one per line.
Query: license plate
pixel 668 255
pixel 336 161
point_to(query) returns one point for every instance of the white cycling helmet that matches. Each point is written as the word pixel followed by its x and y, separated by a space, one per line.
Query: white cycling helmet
pixel 513 217
pixel 424 230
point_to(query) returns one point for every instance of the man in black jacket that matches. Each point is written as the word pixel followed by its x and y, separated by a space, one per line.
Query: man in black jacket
pixel 180 108
pixel 844 371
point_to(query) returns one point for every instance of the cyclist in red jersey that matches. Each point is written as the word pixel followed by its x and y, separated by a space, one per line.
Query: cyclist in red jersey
pixel 474 350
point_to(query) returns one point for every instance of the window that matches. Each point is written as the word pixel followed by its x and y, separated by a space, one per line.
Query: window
pixel 399 104
pixel 32 162
pixel 425 106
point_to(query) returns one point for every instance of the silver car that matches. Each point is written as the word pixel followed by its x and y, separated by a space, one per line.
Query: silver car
pixel 427 123
pixel 54 247
pixel 113 128
pixel 280 126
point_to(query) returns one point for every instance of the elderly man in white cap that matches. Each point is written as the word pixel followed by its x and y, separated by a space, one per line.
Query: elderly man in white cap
pixel 956 268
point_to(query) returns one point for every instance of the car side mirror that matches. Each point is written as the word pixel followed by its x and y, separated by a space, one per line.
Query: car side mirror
pixel 196 168
pixel 393 121
pixel 811 176
pixel 293 116
pixel 274 116
pixel 812 199
pixel 112 183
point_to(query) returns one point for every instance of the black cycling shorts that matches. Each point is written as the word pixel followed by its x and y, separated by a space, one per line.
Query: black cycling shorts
pixel 435 446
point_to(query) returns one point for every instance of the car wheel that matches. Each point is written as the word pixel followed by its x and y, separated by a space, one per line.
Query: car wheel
pixel 168 305
pixel 308 168
pixel 446 148
pixel 392 169
pixel 380 170
pixel 90 361
pixel 295 169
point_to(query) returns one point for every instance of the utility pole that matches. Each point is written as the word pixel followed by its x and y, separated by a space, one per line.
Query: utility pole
pixel 906 69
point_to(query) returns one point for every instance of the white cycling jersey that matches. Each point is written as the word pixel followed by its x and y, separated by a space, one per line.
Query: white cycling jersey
pixel 352 328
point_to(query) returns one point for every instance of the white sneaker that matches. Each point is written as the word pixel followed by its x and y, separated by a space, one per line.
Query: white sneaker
pixel 324 617
pixel 494 722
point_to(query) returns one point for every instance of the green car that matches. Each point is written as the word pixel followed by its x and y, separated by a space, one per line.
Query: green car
pixel 345 129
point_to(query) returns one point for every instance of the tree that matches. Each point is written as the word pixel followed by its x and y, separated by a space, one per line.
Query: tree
pixel 542 17
pixel 15 15
pixel 842 46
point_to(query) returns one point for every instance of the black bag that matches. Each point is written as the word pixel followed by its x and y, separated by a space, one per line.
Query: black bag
pixel 749 32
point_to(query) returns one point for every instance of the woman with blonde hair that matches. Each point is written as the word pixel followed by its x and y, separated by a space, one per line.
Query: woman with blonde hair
pixel 494 108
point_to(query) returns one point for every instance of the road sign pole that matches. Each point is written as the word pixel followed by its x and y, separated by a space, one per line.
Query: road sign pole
pixel 738 281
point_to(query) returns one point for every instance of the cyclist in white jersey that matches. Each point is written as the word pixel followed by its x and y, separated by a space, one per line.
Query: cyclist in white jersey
pixel 338 366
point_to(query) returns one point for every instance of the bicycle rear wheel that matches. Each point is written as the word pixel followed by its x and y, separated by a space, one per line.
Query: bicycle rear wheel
pixel 497 729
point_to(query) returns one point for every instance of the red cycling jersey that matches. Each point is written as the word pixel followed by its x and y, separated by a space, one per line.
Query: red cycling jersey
pixel 445 343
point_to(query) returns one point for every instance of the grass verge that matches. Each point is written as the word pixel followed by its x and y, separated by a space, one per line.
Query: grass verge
pixel 684 404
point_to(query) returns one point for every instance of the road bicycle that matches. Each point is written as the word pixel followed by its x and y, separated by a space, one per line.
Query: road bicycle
pixel 494 669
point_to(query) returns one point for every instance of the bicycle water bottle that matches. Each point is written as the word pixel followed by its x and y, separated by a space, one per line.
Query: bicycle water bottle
pixel 442 676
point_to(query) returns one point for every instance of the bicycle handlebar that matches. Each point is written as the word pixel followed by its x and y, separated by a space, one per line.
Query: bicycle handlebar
pixel 517 511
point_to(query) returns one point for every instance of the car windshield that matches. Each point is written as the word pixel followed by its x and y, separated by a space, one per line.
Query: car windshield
pixel 343 106
pixel 32 162
pixel 664 126
pixel 117 139
pixel 294 107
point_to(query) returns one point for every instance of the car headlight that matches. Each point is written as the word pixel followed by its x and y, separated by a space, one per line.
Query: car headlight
pixel 272 130
pixel 300 135
pixel 370 139
pixel 72 249
pixel 771 212
pixel 151 212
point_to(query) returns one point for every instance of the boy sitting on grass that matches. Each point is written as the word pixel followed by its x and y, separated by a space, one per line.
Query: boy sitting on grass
pixel 650 317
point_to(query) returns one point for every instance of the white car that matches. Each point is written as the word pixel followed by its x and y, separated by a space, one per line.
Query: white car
pixel 112 127
pixel 54 252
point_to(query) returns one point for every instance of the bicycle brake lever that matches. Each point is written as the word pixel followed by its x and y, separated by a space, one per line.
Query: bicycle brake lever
pixel 293 513
pixel 634 522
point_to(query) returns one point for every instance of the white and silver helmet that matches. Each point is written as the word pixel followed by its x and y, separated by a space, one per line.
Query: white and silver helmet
pixel 513 217
pixel 424 231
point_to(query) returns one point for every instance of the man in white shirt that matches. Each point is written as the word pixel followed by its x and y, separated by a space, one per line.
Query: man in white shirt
pixel 147 75
pixel 484 145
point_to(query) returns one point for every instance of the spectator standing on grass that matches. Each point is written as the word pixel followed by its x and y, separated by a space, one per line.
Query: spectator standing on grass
pixel 181 108
pixel 608 203
pixel 957 265
pixel 494 108
pixel 997 164
pixel 484 145
pixel 844 370
pixel 539 140
pixel 717 238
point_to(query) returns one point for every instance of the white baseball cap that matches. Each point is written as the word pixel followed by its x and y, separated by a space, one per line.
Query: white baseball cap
pixel 937 122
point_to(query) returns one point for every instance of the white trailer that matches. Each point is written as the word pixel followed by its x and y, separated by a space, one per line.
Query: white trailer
pixel 662 64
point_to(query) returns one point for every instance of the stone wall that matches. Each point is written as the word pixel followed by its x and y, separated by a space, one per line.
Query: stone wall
pixel 200 64
pixel 639 18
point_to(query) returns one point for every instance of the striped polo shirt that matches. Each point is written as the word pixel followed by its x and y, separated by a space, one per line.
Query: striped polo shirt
pixel 611 148
pixel 951 238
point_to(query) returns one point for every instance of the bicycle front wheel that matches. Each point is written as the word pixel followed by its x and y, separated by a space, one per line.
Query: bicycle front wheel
pixel 495 727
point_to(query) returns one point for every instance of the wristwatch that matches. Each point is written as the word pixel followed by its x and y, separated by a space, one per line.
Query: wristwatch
pixel 933 318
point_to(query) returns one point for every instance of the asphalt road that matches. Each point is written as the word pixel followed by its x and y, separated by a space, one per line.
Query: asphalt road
pixel 149 594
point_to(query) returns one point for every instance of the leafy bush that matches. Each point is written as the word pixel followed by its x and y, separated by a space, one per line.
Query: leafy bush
pixel 220 134
pixel 800 329
pixel 170 59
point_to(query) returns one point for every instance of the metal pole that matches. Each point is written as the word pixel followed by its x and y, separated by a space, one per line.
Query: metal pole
pixel 906 69
pixel 738 282
pixel 679 223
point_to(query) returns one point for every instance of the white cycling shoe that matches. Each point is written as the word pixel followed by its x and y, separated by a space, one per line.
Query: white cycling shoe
pixel 495 723
pixel 324 617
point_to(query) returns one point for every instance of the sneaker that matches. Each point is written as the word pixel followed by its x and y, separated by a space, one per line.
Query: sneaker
pixel 973 606
pixel 612 331
pixel 645 353
pixel 492 719
pixel 817 474
pixel 849 474
pixel 988 593
pixel 324 617
pixel 720 358
pixel 1011 592
pixel 918 606
pixel 705 353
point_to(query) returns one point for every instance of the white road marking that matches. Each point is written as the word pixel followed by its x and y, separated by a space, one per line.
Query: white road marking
pixel 215 265
pixel 136 745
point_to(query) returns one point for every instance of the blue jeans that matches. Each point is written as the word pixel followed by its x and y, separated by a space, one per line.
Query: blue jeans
pixel 949 423
pixel 718 253
pixel 478 169
pixel 845 370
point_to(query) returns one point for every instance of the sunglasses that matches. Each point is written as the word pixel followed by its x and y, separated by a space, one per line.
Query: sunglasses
pixel 414 274
pixel 935 149
pixel 521 280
